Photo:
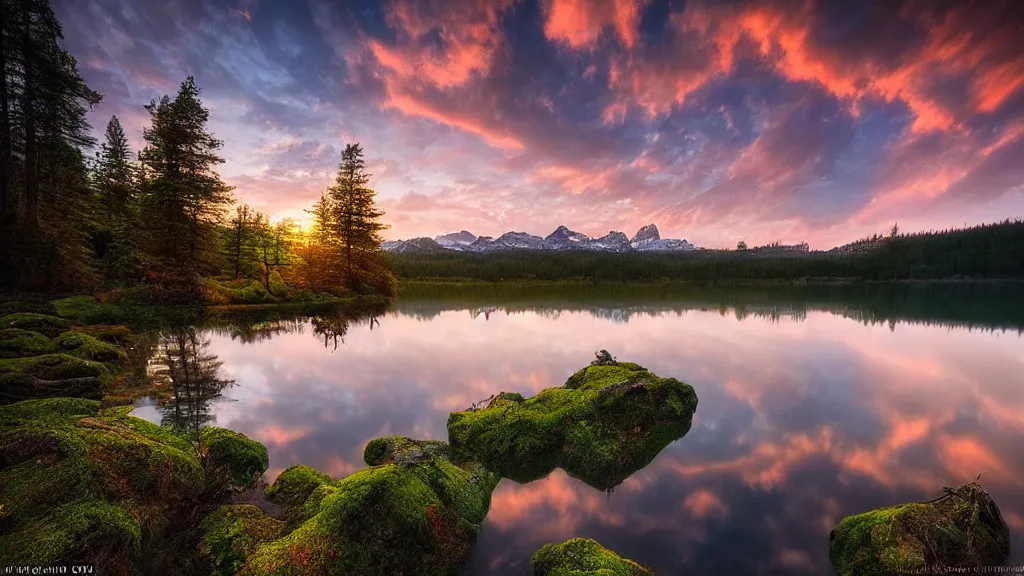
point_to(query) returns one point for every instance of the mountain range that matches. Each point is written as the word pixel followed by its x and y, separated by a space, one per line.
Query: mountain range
pixel 647 239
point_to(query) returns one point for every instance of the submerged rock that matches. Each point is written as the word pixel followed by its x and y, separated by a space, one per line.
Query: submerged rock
pixel 962 528
pixel 605 423
pixel 583 557
pixel 416 510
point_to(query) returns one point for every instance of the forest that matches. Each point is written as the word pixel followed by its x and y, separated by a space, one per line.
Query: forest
pixel 992 251
pixel 79 214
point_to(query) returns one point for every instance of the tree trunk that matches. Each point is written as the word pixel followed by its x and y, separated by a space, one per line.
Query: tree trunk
pixel 31 213
pixel 5 129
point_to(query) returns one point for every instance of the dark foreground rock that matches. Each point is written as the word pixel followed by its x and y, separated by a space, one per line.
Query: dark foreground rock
pixel 583 557
pixel 962 528
pixel 416 510
pixel 608 421
pixel 51 375
pixel 83 485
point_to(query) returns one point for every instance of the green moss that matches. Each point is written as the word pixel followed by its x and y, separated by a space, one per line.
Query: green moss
pixel 43 323
pixel 80 345
pixel 85 485
pixel 963 528
pixel 16 343
pixel 87 531
pixel 114 333
pixel 236 458
pixel 51 375
pixel 607 422
pixel 293 486
pixel 417 511
pixel 231 534
pixel 583 557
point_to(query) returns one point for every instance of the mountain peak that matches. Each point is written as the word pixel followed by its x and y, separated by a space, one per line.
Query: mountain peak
pixel 563 234
pixel 649 232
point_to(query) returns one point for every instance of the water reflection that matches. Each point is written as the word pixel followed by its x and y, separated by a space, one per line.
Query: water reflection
pixel 809 410
pixel 193 374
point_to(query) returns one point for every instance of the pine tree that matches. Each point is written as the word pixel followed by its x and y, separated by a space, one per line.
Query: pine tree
pixel 239 249
pixel 44 194
pixel 115 182
pixel 184 199
pixel 356 226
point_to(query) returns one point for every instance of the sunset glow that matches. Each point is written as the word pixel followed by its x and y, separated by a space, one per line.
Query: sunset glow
pixel 789 121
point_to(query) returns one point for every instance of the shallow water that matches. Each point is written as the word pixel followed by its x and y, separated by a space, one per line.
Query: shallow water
pixel 810 408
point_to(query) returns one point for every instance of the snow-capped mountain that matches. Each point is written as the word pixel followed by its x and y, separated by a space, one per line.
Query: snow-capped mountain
pixel 456 240
pixel 647 239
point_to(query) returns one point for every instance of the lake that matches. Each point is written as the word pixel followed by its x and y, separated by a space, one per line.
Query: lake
pixel 814 403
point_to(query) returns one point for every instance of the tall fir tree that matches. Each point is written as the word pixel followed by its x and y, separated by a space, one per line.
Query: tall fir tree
pixel 184 200
pixel 44 194
pixel 356 226
pixel 116 184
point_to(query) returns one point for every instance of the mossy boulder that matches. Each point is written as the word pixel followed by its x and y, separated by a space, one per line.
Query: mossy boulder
pixel 49 376
pixel 113 333
pixel 232 533
pixel 605 423
pixel 83 485
pixel 416 510
pixel 45 324
pixel 16 343
pixel 962 528
pixel 583 557
pixel 293 486
pixel 232 457
pixel 81 345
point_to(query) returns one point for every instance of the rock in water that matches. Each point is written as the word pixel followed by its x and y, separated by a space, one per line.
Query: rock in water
pixel 962 528
pixel 583 557
pixel 605 423
pixel 416 510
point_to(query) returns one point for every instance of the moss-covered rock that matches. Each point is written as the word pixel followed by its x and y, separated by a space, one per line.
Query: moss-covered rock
pixel 78 484
pixel 81 345
pixel 45 324
pixel 583 557
pixel 232 457
pixel 605 423
pixel 16 343
pixel 962 528
pixel 49 376
pixel 293 486
pixel 113 333
pixel 416 510
pixel 231 534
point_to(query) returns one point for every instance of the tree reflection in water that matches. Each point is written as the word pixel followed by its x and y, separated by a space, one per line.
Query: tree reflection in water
pixel 193 373
pixel 333 327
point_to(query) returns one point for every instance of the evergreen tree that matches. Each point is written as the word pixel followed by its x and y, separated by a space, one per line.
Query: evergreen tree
pixel 115 182
pixel 184 199
pixel 239 242
pixel 356 227
pixel 44 193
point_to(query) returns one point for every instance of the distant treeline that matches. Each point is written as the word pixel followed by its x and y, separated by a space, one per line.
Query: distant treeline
pixel 987 251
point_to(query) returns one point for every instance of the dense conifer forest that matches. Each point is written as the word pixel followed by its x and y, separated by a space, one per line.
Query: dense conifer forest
pixel 79 214
pixel 982 252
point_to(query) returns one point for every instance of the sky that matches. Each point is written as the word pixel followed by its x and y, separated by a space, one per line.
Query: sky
pixel 763 121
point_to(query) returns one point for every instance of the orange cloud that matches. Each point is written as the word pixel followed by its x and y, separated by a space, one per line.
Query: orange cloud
pixel 579 23
pixel 279 436
pixel 702 503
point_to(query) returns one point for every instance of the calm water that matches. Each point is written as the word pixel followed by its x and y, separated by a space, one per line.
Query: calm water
pixel 812 407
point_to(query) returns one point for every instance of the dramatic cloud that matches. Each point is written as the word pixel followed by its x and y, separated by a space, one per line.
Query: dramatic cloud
pixel 767 120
